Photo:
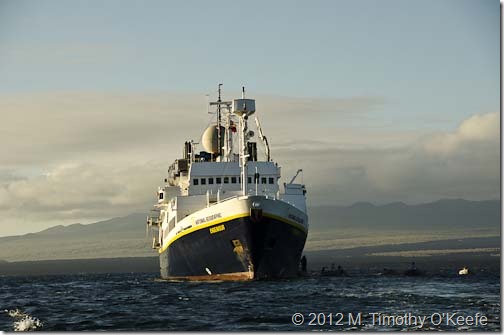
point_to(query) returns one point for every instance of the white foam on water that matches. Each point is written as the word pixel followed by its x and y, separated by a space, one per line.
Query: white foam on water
pixel 27 323
pixel 15 313
pixel 24 322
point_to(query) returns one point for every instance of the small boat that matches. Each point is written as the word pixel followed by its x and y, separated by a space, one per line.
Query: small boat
pixel 333 272
pixel 464 271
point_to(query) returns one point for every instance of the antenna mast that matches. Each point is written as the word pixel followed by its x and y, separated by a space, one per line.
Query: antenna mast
pixel 219 123
pixel 243 108
pixel 243 149
pixel 221 134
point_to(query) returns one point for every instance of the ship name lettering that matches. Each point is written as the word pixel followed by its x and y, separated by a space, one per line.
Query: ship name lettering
pixel 217 229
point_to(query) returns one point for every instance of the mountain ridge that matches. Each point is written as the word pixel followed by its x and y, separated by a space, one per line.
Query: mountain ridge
pixel 330 226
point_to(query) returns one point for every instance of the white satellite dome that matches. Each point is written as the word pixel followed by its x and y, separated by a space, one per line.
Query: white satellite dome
pixel 210 137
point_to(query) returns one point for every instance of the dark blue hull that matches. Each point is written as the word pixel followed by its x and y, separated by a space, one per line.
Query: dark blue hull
pixel 250 247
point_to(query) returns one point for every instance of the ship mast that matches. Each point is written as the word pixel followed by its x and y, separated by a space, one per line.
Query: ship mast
pixel 243 108
pixel 219 123
pixel 243 147
pixel 220 152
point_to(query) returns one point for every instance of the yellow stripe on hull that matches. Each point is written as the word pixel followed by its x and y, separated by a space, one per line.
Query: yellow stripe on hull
pixel 201 226
pixel 292 223
pixel 229 218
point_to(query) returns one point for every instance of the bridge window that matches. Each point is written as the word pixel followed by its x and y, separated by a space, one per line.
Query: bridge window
pixel 249 180
pixel 210 181
pixel 203 181
pixel 195 181
pixel 271 180
pixel 263 180
pixel 233 180
pixel 226 180
pixel 218 180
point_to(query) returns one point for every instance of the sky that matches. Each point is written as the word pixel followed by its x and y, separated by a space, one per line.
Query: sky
pixel 377 101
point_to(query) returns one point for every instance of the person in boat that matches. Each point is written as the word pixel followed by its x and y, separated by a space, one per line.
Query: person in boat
pixel 336 272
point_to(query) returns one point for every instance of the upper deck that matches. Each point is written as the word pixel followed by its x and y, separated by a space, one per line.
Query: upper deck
pixel 230 163
pixel 212 177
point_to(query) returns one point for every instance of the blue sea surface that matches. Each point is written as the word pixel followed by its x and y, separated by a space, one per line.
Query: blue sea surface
pixel 143 302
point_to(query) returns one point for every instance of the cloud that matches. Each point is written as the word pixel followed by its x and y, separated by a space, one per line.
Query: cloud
pixel 44 130
pixel 89 155
pixel 80 192
pixel 83 156
pixel 464 163
pixel 478 129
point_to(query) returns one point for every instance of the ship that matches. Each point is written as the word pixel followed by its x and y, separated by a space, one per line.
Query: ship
pixel 221 214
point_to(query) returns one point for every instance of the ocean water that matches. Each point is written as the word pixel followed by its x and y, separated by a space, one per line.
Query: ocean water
pixel 142 302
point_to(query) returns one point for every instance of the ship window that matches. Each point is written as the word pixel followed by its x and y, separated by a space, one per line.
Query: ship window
pixel 210 181
pixel 161 196
pixel 218 180
pixel 271 180
pixel 195 181
pixel 263 180
pixel 233 180
pixel 226 180
pixel 239 180
pixel 203 181
pixel 249 180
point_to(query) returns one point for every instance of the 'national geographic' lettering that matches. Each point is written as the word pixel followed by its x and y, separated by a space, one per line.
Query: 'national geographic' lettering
pixel 209 218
